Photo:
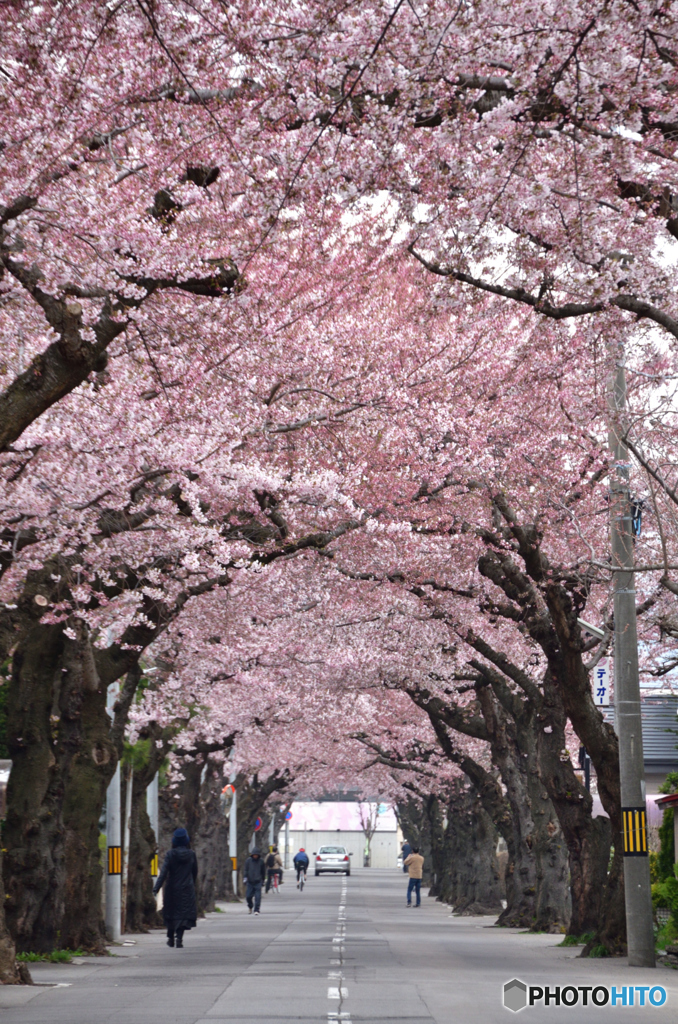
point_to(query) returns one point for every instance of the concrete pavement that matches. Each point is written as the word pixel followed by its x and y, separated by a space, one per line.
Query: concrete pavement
pixel 344 950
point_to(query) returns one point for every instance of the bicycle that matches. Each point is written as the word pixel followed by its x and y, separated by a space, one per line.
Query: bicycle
pixel 302 879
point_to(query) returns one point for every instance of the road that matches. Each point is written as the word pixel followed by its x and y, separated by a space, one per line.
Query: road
pixel 345 950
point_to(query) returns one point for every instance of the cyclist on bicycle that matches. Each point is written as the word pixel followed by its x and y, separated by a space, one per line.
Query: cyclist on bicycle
pixel 301 864
pixel 274 867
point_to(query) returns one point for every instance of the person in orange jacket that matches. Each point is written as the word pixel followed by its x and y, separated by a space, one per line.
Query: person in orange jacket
pixel 415 866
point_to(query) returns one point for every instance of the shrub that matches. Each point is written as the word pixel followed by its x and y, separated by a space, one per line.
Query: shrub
pixel 667 852
pixel 665 894
pixel 576 940
pixel 57 956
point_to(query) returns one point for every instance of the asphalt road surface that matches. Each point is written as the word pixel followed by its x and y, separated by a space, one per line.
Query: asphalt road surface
pixel 344 950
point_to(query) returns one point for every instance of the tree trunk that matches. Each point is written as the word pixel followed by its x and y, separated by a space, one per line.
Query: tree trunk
pixel 542 899
pixel 541 723
pixel 11 971
pixel 434 811
pixel 555 628
pixel 520 877
pixel 470 881
pixel 554 902
pixel 521 912
pixel 416 826
pixel 572 679
pixel 253 795
pixel 194 804
pixel 141 912
pixel 588 839
pixel 481 889
pixel 250 805
pixel 215 880
pixel 62 761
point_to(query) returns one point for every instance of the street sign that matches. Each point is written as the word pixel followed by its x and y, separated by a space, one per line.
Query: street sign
pixel 257 824
pixel 288 816
pixel 602 678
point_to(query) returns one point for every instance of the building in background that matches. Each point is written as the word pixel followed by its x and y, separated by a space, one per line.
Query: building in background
pixel 659 714
pixel 324 823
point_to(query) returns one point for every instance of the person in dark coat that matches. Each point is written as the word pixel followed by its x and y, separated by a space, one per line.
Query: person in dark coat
pixel 179 872
pixel 254 875
pixel 406 850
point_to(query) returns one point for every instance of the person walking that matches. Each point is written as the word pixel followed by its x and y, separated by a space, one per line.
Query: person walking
pixel 274 866
pixel 254 875
pixel 178 875
pixel 405 851
pixel 415 866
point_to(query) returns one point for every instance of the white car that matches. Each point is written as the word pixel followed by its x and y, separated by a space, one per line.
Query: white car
pixel 332 858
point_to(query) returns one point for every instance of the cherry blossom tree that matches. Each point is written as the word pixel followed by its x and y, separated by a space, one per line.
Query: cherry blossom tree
pixel 361 297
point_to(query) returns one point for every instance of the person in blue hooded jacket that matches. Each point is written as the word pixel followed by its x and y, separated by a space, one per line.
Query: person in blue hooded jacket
pixel 178 875
pixel 301 864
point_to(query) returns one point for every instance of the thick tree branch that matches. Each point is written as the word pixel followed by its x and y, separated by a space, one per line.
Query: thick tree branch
pixel 527 685
pixel 451 715
pixel 67 362
pixel 200 748
pixel 629 303
pixel 669 491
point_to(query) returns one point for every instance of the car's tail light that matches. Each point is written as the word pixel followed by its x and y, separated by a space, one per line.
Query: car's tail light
pixel 318 858
pixel 346 857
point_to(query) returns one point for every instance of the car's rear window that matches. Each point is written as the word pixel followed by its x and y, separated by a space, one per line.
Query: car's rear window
pixel 332 849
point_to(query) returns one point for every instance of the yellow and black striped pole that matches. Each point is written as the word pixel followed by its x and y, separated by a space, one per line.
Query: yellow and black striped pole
pixel 154 866
pixel 114 860
pixel 634 823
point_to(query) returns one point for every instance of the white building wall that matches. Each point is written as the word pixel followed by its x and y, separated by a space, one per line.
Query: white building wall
pixel 385 850
pixel 385 846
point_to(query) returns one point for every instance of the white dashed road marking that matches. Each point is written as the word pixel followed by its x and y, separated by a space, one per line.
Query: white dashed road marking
pixel 337 991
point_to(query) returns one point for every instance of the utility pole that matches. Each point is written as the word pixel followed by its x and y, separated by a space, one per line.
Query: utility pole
pixel 287 845
pixel 637 891
pixel 113 841
pixel 152 804
pixel 127 831
pixel 154 817
pixel 233 836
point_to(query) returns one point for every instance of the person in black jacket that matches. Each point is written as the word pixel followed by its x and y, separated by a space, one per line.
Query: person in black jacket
pixel 254 875
pixel 179 872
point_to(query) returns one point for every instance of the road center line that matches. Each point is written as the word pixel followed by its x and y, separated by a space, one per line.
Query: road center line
pixel 338 991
